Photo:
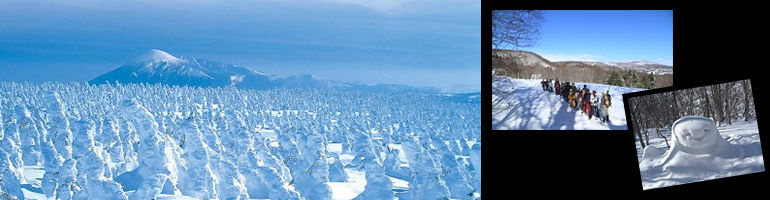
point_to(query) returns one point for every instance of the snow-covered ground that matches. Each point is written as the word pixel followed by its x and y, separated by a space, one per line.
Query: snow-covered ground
pixel 78 141
pixel 741 153
pixel 524 105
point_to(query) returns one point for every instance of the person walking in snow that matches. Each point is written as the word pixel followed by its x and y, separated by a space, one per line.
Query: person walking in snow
pixel 606 107
pixel 565 91
pixel 557 86
pixel 579 99
pixel 594 105
pixel 586 101
pixel 571 98
pixel 548 85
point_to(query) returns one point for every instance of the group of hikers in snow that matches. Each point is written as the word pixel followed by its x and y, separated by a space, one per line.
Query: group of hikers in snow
pixel 584 99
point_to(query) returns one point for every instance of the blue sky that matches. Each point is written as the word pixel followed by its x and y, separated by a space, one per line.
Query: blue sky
pixel 602 35
pixel 421 43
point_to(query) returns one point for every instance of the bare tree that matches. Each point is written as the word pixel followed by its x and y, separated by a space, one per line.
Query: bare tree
pixel 520 28
pixel 676 105
pixel 746 95
pixel 708 104
pixel 716 94
pixel 657 111
pixel 637 121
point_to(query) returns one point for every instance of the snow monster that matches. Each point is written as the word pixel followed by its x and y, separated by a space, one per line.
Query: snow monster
pixel 696 146
pixel 699 135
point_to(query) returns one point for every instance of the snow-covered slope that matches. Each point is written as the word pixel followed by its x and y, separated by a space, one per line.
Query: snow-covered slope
pixel 522 104
pixel 156 66
pixel 533 59
pixel 138 141
pixel 155 55
pixel 700 151
pixel 525 57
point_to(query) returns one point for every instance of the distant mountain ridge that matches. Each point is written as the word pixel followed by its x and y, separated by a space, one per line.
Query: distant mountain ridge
pixel 157 66
pixel 534 59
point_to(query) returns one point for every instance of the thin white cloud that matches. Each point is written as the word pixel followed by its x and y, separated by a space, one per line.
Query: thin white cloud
pixel 388 7
pixel 379 5
pixel 420 7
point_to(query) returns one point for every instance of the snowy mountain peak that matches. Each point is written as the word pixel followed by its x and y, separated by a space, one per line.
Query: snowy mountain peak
pixel 155 55
pixel 157 66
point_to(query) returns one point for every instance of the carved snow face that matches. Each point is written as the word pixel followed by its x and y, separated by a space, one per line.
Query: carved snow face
pixel 696 132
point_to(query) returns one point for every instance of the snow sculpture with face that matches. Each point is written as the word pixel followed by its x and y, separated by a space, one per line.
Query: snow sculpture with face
pixel 695 135
pixel 696 143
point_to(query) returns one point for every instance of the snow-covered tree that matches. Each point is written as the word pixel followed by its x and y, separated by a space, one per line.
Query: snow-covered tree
pixel 154 161
pixel 199 180
pixel 378 185
pixel 9 179
pixel 426 176
pixel 29 136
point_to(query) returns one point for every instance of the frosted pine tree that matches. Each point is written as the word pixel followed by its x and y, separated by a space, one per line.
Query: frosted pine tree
pixel 59 126
pixel 199 179
pixel 378 185
pixel 97 184
pixel 231 184
pixel 10 145
pixel 309 168
pixel 152 152
pixel 52 160
pixel 476 161
pixel 336 170
pixel 111 141
pixel 67 184
pixel 9 179
pixel 425 176
pixel 393 166
pixel 454 178
pixel 30 136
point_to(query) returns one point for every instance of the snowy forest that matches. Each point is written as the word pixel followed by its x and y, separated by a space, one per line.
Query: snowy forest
pixel 141 141
pixel 724 103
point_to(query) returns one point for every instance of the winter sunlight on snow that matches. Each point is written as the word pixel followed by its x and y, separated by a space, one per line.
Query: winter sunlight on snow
pixel 522 104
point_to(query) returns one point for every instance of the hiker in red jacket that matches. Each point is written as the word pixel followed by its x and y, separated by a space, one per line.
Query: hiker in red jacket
pixel 586 100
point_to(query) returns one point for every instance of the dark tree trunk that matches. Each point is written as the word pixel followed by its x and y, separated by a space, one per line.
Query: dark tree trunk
pixel 746 101
pixel 677 114
pixel 716 93
pixel 728 102
pixel 639 132
pixel 708 106
pixel 657 130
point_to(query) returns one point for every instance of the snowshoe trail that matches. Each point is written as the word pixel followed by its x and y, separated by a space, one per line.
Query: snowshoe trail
pixel 524 105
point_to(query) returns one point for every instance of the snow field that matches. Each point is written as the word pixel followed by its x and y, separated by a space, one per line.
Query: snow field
pixel 524 105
